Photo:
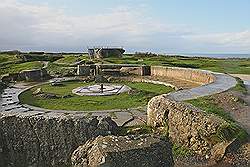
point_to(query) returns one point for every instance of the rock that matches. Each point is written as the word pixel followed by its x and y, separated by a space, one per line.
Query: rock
pixel 67 96
pixel 56 84
pixel 45 139
pixel 37 91
pixel 107 126
pixel 48 96
pixel 124 151
pixel 186 124
pixel 220 149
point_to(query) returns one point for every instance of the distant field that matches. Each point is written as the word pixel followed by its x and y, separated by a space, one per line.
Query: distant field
pixel 10 63
pixel 234 66
pixel 143 93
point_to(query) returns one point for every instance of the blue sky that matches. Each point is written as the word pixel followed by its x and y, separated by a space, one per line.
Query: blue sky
pixel 166 26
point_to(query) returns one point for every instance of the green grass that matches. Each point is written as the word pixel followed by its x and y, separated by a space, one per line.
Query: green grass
pixel 240 86
pixel 144 92
pixel 5 59
pixel 71 59
pixel 15 68
pixel 61 70
pixel 234 66
pixel 181 151
pixel 226 131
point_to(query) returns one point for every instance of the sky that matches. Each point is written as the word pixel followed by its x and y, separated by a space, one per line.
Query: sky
pixel 160 26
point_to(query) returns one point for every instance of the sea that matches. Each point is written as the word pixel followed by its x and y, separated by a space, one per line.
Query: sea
pixel 213 55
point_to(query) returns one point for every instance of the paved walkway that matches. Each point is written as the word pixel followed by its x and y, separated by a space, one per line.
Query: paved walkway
pixel 222 83
pixel 10 102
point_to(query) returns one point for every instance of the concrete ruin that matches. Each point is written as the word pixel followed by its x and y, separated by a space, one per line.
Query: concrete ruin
pixel 103 52
pixel 33 138
pixel 26 75
pixel 113 69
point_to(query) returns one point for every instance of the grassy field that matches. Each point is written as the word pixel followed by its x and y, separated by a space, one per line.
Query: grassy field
pixel 13 64
pixel 234 66
pixel 143 93
pixel 5 59
pixel 71 59
pixel 15 68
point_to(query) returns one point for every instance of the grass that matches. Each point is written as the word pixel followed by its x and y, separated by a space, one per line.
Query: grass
pixel 15 68
pixel 234 66
pixel 240 86
pixel 5 59
pixel 61 70
pixel 71 59
pixel 225 132
pixel 143 93
pixel 181 151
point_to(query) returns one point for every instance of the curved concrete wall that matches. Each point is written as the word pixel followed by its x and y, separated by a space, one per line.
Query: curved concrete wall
pixel 193 75
pixel 188 125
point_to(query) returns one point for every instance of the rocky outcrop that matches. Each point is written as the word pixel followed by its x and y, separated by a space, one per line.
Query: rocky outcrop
pixel 186 124
pixel 34 139
pixel 124 151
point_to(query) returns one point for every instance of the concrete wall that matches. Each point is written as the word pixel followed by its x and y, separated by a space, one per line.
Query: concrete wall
pixel 141 71
pixel 26 75
pixel 83 70
pixel 193 75
pixel 100 53
pixel 38 139
pixel 186 125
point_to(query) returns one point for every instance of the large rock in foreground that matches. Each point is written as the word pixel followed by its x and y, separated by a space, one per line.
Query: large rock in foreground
pixel 187 125
pixel 124 151
pixel 37 140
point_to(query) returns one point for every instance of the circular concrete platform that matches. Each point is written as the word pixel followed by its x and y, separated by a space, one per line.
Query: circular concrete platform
pixel 101 90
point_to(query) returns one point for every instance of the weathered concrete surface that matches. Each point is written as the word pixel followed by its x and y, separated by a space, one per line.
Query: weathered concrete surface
pixel 141 71
pixel 124 151
pixel 187 125
pixel 194 75
pixel 222 83
pixel 26 75
pixel 38 139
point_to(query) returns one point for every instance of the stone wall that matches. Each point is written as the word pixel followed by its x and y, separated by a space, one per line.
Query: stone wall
pixel 26 75
pixel 188 74
pixel 83 70
pixel 33 139
pixel 141 70
pixel 187 125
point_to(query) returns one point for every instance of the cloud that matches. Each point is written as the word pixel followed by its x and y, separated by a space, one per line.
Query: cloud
pixel 233 41
pixel 41 27
pixel 30 26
